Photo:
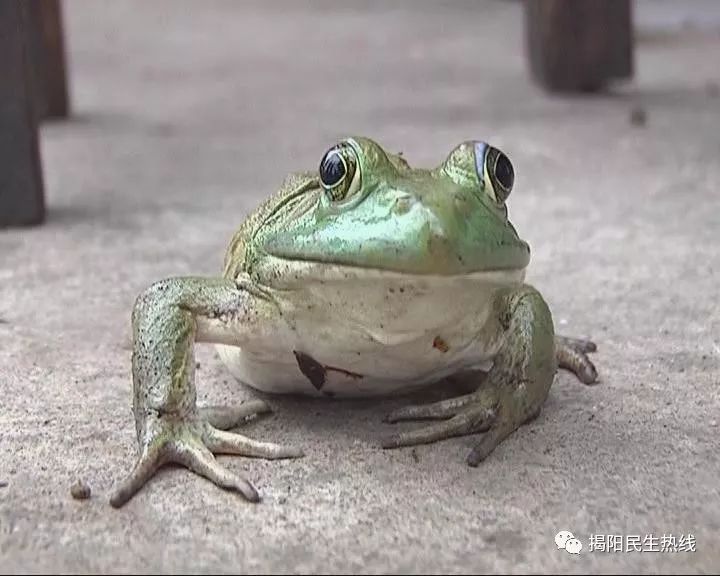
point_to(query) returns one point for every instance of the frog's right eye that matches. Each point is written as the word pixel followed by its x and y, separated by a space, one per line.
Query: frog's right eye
pixel 339 173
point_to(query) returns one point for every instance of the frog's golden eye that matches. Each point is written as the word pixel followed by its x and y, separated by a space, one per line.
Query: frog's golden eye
pixel 501 173
pixel 495 169
pixel 339 174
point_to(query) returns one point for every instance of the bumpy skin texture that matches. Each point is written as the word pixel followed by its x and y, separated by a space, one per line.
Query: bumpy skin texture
pixel 384 215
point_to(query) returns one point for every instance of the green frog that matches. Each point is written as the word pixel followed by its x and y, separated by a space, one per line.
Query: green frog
pixel 366 277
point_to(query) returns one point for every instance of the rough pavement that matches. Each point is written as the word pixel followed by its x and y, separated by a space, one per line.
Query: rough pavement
pixel 186 114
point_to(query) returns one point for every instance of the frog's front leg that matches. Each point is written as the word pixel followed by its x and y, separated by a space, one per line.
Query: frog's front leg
pixel 515 388
pixel 168 318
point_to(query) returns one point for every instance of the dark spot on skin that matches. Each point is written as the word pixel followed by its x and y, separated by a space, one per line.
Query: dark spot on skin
pixel 415 456
pixel 440 344
pixel 402 289
pixel 401 206
pixel 345 372
pixel 392 290
pixel 311 369
pixel 317 373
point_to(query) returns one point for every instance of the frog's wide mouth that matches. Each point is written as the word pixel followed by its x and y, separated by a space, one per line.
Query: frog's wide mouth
pixel 426 232
pixel 296 270
pixel 504 258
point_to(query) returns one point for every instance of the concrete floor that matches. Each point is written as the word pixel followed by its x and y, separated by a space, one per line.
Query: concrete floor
pixel 187 113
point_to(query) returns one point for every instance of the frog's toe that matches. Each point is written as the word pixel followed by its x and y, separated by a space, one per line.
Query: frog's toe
pixel 579 344
pixel 472 418
pixel 441 410
pixel 488 443
pixel 228 417
pixel 221 442
pixel 147 464
pixel 198 458
pixel 572 354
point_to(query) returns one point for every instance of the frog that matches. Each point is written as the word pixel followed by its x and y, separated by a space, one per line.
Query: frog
pixel 363 278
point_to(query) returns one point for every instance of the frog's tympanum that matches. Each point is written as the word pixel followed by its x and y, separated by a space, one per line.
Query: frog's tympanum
pixel 366 277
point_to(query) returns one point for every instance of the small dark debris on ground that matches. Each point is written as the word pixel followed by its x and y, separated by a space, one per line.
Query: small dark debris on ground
pixel 638 116
pixel 3 483
pixel 80 490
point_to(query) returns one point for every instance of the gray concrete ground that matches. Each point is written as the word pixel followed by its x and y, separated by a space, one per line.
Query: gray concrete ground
pixel 187 113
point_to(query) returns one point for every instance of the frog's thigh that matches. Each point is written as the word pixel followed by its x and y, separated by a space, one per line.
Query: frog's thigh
pixel 514 391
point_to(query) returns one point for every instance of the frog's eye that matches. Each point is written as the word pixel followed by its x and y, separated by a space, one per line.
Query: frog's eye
pixel 339 174
pixel 495 170
pixel 501 173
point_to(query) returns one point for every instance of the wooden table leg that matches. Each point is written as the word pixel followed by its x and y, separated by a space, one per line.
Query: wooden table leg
pixel 21 183
pixel 47 53
pixel 579 45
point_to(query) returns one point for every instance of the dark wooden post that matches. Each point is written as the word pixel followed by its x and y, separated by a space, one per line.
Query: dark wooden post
pixel 47 55
pixel 579 45
pixel 21 183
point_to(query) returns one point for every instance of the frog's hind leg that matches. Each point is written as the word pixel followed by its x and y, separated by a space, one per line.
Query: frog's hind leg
pixel 514 391
pixel 572 354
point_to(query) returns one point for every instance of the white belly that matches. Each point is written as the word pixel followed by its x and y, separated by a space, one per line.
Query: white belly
pixel 370 333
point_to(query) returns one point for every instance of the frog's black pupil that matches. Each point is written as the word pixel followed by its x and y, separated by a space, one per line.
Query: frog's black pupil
pixel 332 168
pixel 504 172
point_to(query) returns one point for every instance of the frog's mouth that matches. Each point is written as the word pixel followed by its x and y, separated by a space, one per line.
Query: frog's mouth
pixel 395 231
pixel 417 244
pixel 432 254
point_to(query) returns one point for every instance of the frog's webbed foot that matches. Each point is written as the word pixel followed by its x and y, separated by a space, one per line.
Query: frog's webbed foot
pixel 572 354
pixel 170 427
pixel 192 442
pixel 513 394
pixel 468 414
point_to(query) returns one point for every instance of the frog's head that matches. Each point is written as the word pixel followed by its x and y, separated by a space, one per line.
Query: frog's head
pixel 368 208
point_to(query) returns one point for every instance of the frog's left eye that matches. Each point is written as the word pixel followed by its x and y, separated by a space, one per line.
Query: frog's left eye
pixel 339 174
pixel 495 169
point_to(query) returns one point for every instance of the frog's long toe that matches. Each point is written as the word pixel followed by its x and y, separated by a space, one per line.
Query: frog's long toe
pixel 572 354
pixel 228 417
pixel 464 415
pixel 436 411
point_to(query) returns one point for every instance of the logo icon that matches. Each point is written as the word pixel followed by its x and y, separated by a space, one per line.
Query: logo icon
pixel 565 540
